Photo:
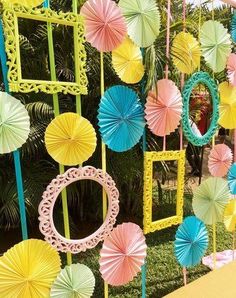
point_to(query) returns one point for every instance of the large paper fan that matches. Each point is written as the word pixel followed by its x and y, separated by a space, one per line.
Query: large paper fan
pixel 28 269
pixel 70 139
pixel 210 199
pixel 215 45
pixel 230 216
pixel 231 69
pixel 14 123
pixel 232 179
pixel 74 281
pixel 105 25
pixel 127 61
pixel 120 118
pixel 227 106
pixel 143 20
pixel 163 108
pixel 220 160
pixel 27 3
pixel 186 52
pixel 122 255
pixel 191 241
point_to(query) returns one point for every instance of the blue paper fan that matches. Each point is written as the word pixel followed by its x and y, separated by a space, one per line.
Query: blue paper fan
pixel 232 179
pixel 120 118
pixel 233 27
pixel 191 241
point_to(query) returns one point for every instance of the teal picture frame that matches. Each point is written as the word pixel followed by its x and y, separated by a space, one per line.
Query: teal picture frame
pixel 196 79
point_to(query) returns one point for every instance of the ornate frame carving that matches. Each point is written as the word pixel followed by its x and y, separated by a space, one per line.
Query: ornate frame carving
pixel 16 82
pixel 149 158
pixel 53 190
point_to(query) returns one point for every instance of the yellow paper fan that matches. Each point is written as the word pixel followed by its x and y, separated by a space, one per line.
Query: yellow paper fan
pixel 186 53
pixel 70 139
pixel 127 61
pixel 227 105
pixel 27 3
pixel 230 216
pixel 28 270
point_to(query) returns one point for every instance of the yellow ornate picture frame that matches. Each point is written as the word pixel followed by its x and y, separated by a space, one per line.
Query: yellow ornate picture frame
pixel 11 15
pixel 149 158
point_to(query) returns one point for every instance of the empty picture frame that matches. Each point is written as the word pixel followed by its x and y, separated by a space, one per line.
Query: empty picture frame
pixel 149 159
pixel 11 16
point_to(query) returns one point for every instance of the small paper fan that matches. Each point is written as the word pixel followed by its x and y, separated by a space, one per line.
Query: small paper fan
pixel 231 68
pixel 233 27
pixel 210 199
pixel 120 118
pixel 163 110
pixel 74 281
pixel 232 179
pixel 14 123
pixel 123 254
pixel 227 106
pixel 230 216
pixel 28 269
pixel 191 242
pixel 70 139
pixel 220 160
pixel 105 25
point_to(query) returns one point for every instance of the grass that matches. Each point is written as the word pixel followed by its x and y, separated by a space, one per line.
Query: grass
pixel 164 275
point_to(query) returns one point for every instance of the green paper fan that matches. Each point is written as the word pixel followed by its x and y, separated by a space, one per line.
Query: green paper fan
pixel 215 45
pixel 210 199
pixel 14 123
pixel 74 281
pixel 143 20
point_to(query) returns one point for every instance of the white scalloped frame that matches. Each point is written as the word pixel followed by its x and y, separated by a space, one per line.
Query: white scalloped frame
pixel 50 196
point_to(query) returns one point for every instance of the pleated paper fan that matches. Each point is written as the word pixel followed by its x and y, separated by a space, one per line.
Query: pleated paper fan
pixel 120 118
pixel 143 20
pixel 105 26
pixel 231 69
pixel 28 270
pixel 215 45
pixel 233 27
pixel 220 160
pixel 191 242
pixel 232 179
pixel 164 108
pixel 27 3
pixel 210 199
pixel 70 139
pixel 186 52
pixel 230 216
pixel 227 106
pixel 74 281
pixel 127 61
pixel 230 2
pixel 14 123
pixel 123 254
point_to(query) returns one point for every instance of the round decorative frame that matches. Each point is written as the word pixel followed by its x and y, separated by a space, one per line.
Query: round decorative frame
pixel 53 190
pixel 197 78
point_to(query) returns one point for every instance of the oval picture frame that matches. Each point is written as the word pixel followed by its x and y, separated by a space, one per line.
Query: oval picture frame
pixel 205 79
pixel 50 196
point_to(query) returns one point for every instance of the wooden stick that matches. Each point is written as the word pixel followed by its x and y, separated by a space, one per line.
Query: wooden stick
pixel 185 275
pixel 214 245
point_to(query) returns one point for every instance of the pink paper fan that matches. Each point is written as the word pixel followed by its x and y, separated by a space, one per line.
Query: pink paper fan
pixel 220 160
pixel 163 108
pixel 105 26
pixel 231 69
pixel 122 255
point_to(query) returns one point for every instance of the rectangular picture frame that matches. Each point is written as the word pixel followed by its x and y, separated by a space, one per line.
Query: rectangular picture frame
pixel 11 15
pixel 149 158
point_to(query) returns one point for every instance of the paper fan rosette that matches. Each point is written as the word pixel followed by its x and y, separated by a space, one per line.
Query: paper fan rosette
pixel 210 199
pixel 191 242
pixel 215 45
pixel 122 255
pixel 231 69
pixel 143 20
pixel 186 52
pixel 76 281
pixel 220 160
pixel 120 118
pixel 232 179
pixel 27 3
pixel 28 269
pixel 70 139
pixel 14 123
pixel 163 110
pixel 127 61
pixel 233 27
pixel 230 216
pixel 105 26
pixel 227 106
